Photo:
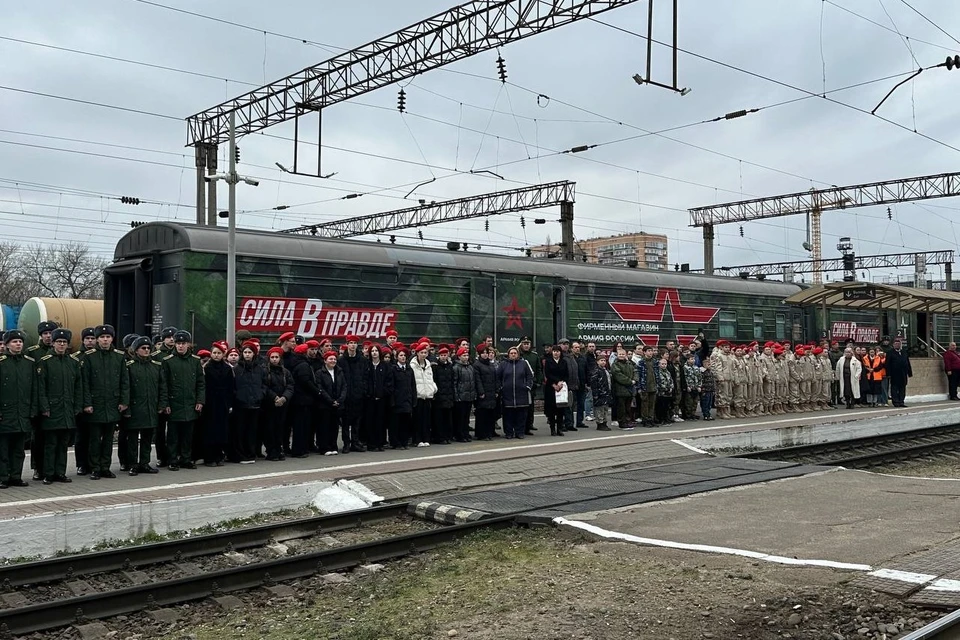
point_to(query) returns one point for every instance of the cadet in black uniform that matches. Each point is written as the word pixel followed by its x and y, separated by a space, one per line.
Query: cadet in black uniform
pixel 144 411
pixel 81 435
pixel 60 400
pixel 37 351
pixel 183 394
pixel 18 402
pixel 106 394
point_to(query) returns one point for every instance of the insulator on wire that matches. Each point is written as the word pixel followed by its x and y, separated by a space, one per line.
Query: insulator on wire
pixel 523 223
pixel 889 214
pixel 129 200
pixel 501 68
pixel 741 231
pixel 486 225
pixel 420 234
pixel 402 101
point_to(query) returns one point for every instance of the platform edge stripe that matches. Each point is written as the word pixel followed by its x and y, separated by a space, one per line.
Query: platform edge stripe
pixel 903 576
pixel 944 584
pixel 757 555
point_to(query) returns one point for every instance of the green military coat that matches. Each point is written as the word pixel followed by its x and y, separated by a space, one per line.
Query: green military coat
pixel 18 393
pixel 536 365
pixel 106 384
pixel 146 383
pixel 39 350
pixel 59 391
pixel 183 386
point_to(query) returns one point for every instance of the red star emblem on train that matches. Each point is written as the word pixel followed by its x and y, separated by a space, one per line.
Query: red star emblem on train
pixel 514 314
pixel 656 311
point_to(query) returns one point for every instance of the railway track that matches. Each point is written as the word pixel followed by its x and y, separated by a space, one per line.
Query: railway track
pixel 45 577
pixel 868 451
pixel 945 628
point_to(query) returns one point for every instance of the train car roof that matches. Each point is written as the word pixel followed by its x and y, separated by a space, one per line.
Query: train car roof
pixel 169 237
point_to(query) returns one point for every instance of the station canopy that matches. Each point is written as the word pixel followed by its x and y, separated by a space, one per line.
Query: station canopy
pixel 863 295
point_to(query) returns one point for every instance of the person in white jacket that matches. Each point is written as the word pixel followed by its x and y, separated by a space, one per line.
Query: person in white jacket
pixel 426 388
pixel 848 373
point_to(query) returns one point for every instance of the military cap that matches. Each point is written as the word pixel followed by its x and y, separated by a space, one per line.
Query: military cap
pixel 157 339
pixel 62 334
pixel 243 335
pixel 182 336
pixel 14 334
pixel 44 327
pixel 105 330
pixel 129 339
pixel 141 341
pixel 563 341
pixel 525 339
pixel 88 332
pixel 300 339
pixel 168 332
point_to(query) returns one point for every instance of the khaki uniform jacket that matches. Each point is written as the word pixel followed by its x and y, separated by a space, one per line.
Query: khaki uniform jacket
pixel 59 391
pixel 18 399
pixel 183 386
pixel 105 384
pixel 145 384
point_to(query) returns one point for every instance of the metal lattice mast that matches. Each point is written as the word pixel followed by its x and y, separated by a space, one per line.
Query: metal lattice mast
pixel 457 33
pixel 943 185
pixel 523 199
pixel 889 260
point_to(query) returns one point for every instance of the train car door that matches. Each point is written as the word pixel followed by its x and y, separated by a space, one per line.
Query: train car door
pixel 127 296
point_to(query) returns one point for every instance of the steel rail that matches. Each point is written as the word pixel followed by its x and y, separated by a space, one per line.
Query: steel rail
pixel 66 567
pixel 60 613
pixel 892 446
pixel 945 628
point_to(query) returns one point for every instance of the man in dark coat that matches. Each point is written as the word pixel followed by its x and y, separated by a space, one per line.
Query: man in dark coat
pixel 106 394
pixel 18 403
pixel 143 414
pixel 60 400
pixel 182 399
pixel 164 348
pixel 306 397
pixel 898 370
pixel 356 370
pixel 43 347
pixel 486 373
pixel 573 384
pixel 404 399
pixel 536 365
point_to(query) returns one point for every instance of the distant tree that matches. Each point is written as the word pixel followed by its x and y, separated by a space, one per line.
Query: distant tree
pixel 63 271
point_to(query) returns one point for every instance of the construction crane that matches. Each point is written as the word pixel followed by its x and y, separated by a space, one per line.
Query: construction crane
pixel 455 34
pixel 815 202
pixel 499 202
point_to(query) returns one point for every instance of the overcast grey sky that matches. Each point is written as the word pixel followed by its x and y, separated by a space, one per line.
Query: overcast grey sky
pixel 457 121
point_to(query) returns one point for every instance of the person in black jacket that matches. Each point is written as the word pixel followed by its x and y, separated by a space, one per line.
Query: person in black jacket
pixel 251 378
pixel 379 388
pixel 306 395
pixel 442 424
pixel 278 391
pixel 356 368
pixel 486 372
pixel 333 386
pixel 221 395
pixel 898 370
pixel 555 372
pixel 466 390
pixel 403 400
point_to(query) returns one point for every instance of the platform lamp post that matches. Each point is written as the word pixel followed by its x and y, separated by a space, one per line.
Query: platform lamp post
pixel 231 178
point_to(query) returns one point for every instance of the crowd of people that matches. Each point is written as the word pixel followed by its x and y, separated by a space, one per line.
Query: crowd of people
pixel 300 397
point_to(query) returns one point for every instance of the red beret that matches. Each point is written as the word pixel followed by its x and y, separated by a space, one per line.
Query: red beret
pixel 275 350
pixel 367 343
pixel 481 347
pixel 462 351
pixel 312 344
pixel 425 339
pixel 721 343
pixel 399 345
pixel 203 353
pixel 253 344
pixel 353 339
pixel 384 348
pixel 289 335
pixel 233 350
pixel 443 349
pixel 778 351
pixel 391 332
pixel 327 354
pixel 752 344
pixel 221 345
pixel 421 346
pixel 817 351
pixel 301 349
pixel 768 343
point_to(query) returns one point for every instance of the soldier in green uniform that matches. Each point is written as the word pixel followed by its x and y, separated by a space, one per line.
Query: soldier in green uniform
pixel 81 435
pixel 183 394
pixel 106 394
pixel 59 400
pixel 125 464
pixel 37 351
pixel 18 401
pixel 144 410
pixel 164 348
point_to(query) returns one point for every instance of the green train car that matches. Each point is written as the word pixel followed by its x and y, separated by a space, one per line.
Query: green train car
pixel 175 274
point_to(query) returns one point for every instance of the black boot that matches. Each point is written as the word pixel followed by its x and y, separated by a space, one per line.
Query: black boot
pixel 553 429
pixel 603 427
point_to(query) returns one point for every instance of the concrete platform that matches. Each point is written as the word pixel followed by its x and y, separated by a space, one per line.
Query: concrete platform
pixel 902 535
pixel 44 519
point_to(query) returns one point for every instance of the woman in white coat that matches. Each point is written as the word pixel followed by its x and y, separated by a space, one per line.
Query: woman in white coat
pixel 848 373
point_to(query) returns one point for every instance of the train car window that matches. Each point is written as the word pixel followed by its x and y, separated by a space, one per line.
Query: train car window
pixel 380 277
pixel 781 326
pixel 758 326
pixel 728 324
